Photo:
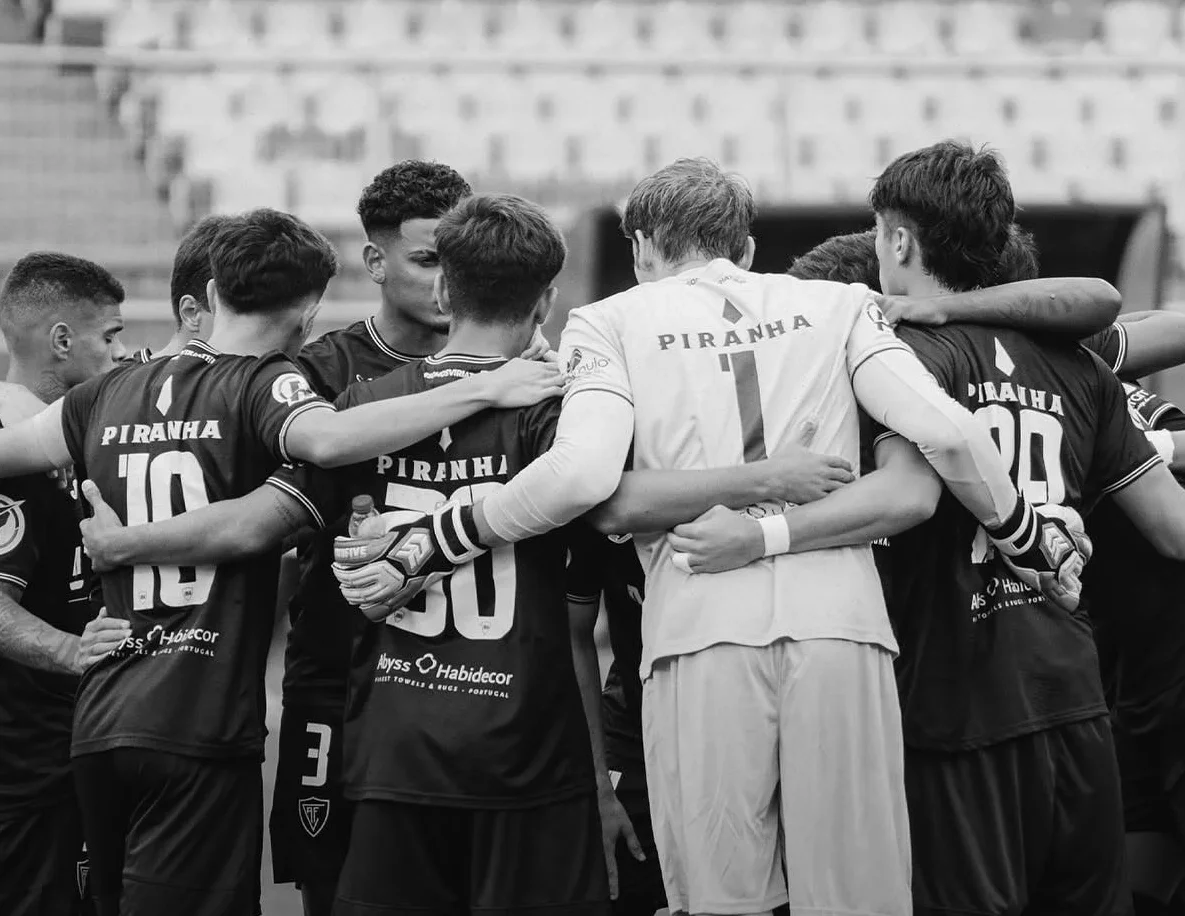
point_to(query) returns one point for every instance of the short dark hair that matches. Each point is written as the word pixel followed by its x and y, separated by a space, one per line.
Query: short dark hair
pixel 42 282
pixel 498 254
pixel 1020 258
pixel 843 259
pixel 692 206
pixel 191 263
pixel 957 202
pixel 411 189
pixel 265 260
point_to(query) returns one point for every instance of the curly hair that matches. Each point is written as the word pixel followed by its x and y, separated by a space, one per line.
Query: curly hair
pixel 843 259
pixel 265 260
pixel 498 253
pixel 957 202
pixel 411 189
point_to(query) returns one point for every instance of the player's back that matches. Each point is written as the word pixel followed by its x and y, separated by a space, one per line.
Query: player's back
pixel 171 436
pixel 726 366
pixel 468 695
pixel 984 657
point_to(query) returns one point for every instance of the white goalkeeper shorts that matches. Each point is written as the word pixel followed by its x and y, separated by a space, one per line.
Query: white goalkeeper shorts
pixel 779 765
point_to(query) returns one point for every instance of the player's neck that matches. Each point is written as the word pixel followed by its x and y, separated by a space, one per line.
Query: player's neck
pixel 175 345
pixel 251 335
pixel 40 380
pixel 924 285
pixel 400 333
pixel 664 269
pixel 485 340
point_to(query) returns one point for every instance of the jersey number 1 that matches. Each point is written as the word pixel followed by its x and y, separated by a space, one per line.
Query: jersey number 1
pixel 150 483
pixel 743 366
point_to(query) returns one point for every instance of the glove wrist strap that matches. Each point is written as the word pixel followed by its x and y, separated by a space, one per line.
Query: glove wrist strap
pixel 456 533
pixel 1019 532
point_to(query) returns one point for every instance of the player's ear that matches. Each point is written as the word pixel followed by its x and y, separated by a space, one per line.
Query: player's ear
pixel 60 339
pixel 904 245
pixel 746 260
pixel 375 262
pixel 190 312
pixel 440 294
pixel 545 304
pixel 212 297
pixel 643 250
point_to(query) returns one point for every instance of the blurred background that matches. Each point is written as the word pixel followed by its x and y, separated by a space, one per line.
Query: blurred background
pixel 124 121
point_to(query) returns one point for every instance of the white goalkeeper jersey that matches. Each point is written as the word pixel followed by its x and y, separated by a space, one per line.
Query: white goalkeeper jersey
pixel 724 366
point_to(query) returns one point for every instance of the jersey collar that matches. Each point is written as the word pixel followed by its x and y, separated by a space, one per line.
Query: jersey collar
pixel 377 338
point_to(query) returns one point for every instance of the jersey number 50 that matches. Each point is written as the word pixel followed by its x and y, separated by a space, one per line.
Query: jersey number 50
pixel 150 499
pixel 479 595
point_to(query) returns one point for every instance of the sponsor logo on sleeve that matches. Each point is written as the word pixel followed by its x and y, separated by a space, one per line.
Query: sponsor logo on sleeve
pixel 12 524
pixel 574 360
pixel 877 317
pixel 291 389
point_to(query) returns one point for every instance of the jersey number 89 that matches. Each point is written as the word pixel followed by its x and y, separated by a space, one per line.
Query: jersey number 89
pixel 480 595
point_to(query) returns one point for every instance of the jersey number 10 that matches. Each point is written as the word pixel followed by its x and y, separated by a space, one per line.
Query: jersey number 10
pixel 150 483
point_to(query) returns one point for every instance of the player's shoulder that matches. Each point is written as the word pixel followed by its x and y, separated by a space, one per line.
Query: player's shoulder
pixel 17 403
pixel 405 379
pixel 338 338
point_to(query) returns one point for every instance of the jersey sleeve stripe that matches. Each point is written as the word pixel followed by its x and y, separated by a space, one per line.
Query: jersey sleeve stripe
pixel 887 434
pixel 584 599
pixel 888 345
pixel 1159 412
pixel 283 437
pixel 14 580
pixel 1132 476
pixel 1121 352
pixel 615 391
pixel 285 487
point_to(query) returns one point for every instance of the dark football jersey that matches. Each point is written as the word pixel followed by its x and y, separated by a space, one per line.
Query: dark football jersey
pixel 609 567
pixel 160 439
pixel 317 659
pixel 1110 344
pixel 985 658
pixel 468 696
pixel 139 358
pixel 40 554
pixel 1135 600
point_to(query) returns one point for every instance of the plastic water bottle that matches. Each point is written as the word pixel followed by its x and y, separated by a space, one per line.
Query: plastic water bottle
pixel 361 508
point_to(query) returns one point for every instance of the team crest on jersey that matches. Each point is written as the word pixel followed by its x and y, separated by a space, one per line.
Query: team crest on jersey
pixel 82 869
pixel 291 389
pixel 877 317
pixel 12 524
pixel 314 814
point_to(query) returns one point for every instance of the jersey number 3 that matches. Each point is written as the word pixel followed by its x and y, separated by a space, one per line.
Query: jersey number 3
pixel 150 487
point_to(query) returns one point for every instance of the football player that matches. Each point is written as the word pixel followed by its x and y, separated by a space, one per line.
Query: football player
pixel 60 316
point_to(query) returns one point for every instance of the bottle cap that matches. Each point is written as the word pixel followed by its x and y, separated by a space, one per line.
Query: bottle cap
pixel 362 505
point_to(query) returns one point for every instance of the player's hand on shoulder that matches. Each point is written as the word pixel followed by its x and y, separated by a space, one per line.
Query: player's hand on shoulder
pixel 910 309
pixel 540 348
pixel 399 554
pixel 719 540
pixel 100 637
pixel 1048 549
pixel 521 383
pixel 97 530
pixel 798 475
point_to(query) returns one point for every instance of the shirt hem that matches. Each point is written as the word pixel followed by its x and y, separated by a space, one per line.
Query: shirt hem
pixel 859 636
pixel 153 743
pixel 508 803
pixel 1045 723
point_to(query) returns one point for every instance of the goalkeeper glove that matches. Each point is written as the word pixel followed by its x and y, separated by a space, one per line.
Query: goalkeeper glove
pixel 382 573
pixel 1045 548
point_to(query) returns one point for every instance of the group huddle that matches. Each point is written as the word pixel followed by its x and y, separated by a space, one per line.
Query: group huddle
pixel 868 657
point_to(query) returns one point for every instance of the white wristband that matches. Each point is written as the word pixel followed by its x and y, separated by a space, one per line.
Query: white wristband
pixel 1162 441
pixel 775 533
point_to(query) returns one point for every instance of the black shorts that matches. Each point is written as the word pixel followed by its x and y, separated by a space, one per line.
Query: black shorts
pixel 43 868
pixel 414 860
pixel 640 889
pixel 310 822
pixel 1151 769
pixel 170 835
pixel 1035 823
